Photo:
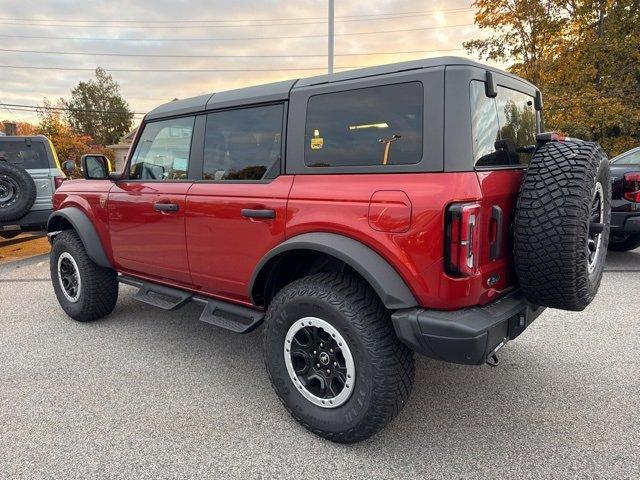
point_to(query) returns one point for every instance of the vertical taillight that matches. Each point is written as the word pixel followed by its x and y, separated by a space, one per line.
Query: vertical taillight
pixel 631 186
pixel 462 239
pixel 57 182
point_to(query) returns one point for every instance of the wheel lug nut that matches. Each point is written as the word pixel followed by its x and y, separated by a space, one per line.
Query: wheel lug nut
pixel 314 352
pixel 335 364
pixel 321 345
pixel 328 371
pixel 331 350
pixel 318 365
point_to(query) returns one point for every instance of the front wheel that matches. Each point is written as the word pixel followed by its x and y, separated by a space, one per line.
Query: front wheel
pixel 85 291
pixel 334 359
pixel 623 242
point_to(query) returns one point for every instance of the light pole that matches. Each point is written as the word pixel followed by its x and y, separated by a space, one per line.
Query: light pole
pixel 330 46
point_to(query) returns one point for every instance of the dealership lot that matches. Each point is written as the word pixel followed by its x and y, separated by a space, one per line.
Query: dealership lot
pixel 151 394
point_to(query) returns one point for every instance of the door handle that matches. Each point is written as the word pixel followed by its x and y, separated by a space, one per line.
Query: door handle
pixel 495 249
pixel 258 213
pixel 166 207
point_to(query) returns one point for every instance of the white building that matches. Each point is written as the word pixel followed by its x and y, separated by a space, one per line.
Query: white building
pixel 120 149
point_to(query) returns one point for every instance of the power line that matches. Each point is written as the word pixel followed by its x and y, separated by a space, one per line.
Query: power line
pixel 154 55
pixel 218 39
pixel 19 106
pixel 245 22
pixel 163 70
pixel 6 107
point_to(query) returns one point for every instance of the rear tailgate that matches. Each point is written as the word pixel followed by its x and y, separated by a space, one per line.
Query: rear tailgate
pixel 500 190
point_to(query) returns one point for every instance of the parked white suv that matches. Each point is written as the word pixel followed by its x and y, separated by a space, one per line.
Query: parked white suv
pixel 29 174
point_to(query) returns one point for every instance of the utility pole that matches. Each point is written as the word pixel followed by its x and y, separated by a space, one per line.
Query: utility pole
pixel 330 46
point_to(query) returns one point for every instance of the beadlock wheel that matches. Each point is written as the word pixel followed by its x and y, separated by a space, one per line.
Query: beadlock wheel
pixel 69 277
pixel 319 362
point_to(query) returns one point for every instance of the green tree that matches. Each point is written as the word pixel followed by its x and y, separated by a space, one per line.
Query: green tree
pixel 583 54
pixel 97 109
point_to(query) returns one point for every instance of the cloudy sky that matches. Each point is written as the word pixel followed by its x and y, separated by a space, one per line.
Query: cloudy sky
pixel 232 43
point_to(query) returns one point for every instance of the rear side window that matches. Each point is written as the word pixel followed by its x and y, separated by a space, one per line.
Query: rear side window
pixel 162 152
pixel 243 144
pixel 369 126
pixel 27 155
pixel 502 127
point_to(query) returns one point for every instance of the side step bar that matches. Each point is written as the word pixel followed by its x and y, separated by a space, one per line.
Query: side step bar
pixel 222 314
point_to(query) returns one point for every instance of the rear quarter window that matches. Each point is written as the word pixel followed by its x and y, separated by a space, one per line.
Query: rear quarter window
pixel 379 125
pixel 502 127
pixel 27 155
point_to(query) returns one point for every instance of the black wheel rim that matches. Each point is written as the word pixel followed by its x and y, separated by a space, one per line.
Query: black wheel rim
pixel 69 277
pixel 9 191
pixel 319 362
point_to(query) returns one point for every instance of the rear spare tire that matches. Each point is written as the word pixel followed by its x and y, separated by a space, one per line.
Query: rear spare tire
pixel 561 227
pixel 17 192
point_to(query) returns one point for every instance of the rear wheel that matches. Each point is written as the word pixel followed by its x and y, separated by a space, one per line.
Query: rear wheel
pixel 84 290
pixel 623 242
pixel 334 359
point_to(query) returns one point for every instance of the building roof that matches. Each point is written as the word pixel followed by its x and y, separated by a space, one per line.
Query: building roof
pixel 280 90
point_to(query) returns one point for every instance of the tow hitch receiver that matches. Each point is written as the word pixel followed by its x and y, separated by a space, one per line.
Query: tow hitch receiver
pixel 492 358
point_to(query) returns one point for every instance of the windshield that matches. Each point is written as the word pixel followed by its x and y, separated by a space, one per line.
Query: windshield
pixel 629 158
pixel 28 156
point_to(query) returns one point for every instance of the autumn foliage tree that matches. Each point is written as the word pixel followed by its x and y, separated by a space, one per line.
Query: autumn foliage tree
pixel 69 144
pixel 583 54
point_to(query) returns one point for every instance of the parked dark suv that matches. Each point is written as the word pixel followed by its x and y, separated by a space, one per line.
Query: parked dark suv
pixel 360 217
pixel 625 206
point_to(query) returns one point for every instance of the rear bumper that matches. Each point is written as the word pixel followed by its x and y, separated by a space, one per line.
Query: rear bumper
pixel 34 220
pixel 465 336
pixel 625 222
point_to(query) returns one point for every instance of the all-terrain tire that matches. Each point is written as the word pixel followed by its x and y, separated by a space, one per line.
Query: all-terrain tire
pixel 552 225
pixel 384 366
pixel 98 291
pixel 624 242
pixel 17 192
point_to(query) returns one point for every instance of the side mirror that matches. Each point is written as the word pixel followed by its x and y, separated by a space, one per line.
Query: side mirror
pixel 68 166
pixel 95 167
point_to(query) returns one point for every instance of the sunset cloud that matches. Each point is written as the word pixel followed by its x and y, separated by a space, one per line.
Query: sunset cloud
pixel 242 28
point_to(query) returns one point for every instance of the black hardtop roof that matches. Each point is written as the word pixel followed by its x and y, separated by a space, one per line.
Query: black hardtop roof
pixel 280 90
pixel 22 138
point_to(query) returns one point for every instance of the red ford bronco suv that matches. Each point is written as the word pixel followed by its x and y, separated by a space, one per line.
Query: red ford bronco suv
pixel 360 216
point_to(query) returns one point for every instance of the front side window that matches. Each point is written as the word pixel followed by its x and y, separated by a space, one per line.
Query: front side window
pixel 369 126
pixel 503 128
pixel 243 144
pixel 28 155
pixel 162 152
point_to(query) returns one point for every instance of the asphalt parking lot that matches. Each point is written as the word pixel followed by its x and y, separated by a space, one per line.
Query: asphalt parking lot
pixel 151 394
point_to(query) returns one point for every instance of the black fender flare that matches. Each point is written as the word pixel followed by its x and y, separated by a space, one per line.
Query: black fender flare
pixel 86 231
pixel 383 278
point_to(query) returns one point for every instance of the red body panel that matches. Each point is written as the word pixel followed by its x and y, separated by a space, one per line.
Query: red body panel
pixel 340 204
pixel 145 240
pixel 209 247
pixel 90 196
pixel 224 247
